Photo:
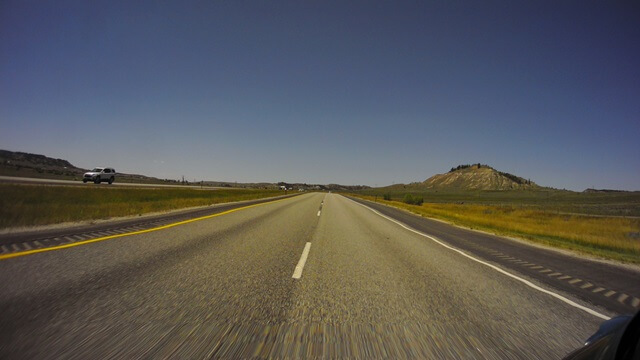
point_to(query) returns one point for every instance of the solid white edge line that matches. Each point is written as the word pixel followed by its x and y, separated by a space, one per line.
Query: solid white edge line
pixel 526 282
pixel 297 273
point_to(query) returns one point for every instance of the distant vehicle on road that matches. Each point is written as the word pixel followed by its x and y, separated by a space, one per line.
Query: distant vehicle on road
pixel 100 174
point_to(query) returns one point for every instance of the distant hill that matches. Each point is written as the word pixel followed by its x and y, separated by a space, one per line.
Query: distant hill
pixel 477 177
pixel 14 163
pixel 590 190
pixel 468 178
pixel 20 164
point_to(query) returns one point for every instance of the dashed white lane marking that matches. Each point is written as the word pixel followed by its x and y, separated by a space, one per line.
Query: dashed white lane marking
pixel 318 212
pixel 635 302
pixel 622 297
pixel 500 270
pixel 574 281
pixel 609 293
pixel 297 273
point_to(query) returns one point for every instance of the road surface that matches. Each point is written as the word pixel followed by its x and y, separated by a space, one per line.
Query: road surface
pixel 313 276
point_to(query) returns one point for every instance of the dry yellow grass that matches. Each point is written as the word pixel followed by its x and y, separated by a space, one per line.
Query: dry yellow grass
pixel 610 237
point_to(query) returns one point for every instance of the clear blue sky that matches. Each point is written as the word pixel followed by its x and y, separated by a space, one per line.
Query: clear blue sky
pixel 368 93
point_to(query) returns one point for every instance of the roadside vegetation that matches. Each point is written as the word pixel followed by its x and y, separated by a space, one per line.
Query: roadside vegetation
pixel 613 237
pixel 605 203
pixel 411 200
pixel 27 205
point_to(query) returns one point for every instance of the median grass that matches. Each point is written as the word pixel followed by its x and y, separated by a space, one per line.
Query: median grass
pixel 28 205
pixel 612 237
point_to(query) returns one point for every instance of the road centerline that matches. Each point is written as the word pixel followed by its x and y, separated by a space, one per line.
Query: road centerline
pixel 297 273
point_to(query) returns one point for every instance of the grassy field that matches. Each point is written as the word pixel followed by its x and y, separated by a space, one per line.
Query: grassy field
pixel 26 205
pixel 547 200
pixel 612 237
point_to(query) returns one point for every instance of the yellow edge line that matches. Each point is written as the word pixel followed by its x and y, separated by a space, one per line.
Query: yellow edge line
pixel 84 242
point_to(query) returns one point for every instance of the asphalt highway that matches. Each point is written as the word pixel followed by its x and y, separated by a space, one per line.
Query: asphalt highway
pixel 226 287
